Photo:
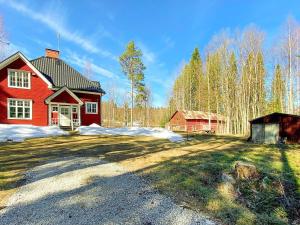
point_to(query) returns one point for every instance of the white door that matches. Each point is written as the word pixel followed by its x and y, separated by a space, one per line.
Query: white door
pixel 64 116
pixel 271 133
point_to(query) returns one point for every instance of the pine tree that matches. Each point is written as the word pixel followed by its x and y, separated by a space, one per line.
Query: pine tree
pixel 196 75
pixel 133 67
pixel 278 91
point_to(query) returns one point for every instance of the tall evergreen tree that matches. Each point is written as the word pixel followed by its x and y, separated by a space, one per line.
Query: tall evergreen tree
pixel 196 76
pixel 278 91
pixel 133 67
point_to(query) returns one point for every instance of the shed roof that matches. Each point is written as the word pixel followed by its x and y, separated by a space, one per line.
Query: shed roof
pixel 189 115
pixel 275 114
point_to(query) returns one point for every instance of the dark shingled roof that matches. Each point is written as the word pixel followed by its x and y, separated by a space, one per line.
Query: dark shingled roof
pixel 60 74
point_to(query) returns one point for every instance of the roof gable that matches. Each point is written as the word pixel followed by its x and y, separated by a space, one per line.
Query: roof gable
pixel 61 74
pixel 54 97
pixel 19 55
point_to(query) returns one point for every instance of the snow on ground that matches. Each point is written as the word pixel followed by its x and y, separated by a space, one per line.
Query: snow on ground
pixel 95 129
pixel 17 133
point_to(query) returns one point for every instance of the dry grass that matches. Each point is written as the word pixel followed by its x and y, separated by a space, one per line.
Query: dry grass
pixel 188 171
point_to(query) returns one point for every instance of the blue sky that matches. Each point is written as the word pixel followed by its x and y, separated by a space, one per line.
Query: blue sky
pixel 166 31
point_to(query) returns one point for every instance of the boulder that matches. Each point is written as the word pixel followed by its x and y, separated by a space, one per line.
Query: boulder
pixel 226 187
pixel 227 178
pixel 245 171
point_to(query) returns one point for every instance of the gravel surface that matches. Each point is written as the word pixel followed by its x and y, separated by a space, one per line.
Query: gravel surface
pixel 91 191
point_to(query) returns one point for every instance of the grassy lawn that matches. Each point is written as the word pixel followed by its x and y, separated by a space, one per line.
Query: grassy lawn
pixel 190 171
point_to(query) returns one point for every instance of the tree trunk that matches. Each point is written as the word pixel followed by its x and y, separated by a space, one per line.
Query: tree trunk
pixel 131 112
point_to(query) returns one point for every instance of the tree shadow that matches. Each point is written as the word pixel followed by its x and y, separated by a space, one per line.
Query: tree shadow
pixel 99 194
pixel 290 185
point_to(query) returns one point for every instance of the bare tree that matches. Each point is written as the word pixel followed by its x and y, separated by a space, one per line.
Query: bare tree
pixel 3 40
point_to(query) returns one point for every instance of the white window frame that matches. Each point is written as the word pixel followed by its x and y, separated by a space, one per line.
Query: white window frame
pixel 52 108
pixel 76 109
pixel 86 107
pixel 21 71
pixel 16 118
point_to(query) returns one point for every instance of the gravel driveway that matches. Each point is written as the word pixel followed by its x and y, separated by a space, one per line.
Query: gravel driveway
pixel 91 191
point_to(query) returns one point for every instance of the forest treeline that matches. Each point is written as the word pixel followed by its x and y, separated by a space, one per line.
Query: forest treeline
pixel 238 74
pixel 241 79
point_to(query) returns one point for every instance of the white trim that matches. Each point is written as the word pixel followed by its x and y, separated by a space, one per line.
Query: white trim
pixel 79 115
pixel 18 99
pixel 16 70
pixel 50 115
pixel 18 55
pixel 48 100
pixel 84 92
pixel 86 103
pixel 62 103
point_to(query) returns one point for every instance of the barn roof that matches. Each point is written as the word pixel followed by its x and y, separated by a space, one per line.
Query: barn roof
pixel 190 115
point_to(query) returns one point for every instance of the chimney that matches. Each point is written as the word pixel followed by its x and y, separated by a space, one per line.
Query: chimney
pixel 52 53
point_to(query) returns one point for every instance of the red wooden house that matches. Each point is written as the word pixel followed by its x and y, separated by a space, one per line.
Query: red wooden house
pixel 195 121
pixel 47 91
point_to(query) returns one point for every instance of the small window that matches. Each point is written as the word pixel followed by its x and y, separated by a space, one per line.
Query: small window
pixel 74 109
pixel 19 109
pixel 19 79
pixel 54 109
pixel 91 108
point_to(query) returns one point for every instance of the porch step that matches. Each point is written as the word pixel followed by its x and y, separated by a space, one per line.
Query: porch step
pixel 67 128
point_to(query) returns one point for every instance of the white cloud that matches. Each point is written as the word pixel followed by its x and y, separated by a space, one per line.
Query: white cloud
pixel 75 59
pixel 53 22
pixel 148 55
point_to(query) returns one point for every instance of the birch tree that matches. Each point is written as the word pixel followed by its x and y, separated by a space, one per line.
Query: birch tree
pixel 3 40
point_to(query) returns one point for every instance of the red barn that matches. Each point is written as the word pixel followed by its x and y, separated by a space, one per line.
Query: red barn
pixel 275 127
pixel 47 91
pixel 195 121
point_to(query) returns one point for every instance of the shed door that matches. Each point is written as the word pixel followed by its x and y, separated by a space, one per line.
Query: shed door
pixel 271 133
pixel 257 133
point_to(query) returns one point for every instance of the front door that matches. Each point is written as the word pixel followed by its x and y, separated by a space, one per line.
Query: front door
pixel 65 116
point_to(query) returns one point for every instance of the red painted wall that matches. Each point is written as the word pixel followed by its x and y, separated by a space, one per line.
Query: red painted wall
pixel 200 124
pixel 88 119
pixel 38 93
pixel 178 122
pixel 64 97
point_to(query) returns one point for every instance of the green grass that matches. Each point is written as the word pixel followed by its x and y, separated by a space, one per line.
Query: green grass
pixel 190 172
pixel 196 179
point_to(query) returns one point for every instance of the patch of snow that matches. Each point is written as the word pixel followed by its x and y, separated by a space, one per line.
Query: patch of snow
pixel 94 125
pixel 18 133
pixel 131 131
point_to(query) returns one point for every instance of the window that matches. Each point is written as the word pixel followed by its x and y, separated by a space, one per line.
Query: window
pixel 54 109
pixel 19 109
pixel 19 79
pixel 91 108
pixel 74 109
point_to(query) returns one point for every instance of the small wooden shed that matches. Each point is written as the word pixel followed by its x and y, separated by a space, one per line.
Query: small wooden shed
pixel 275 127
pixel 196 121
